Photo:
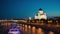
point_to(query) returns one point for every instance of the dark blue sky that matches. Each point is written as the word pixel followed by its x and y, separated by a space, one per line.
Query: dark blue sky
pixel 26 8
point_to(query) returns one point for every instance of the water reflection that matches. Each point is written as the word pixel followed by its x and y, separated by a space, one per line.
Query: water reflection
pixel 33 30
pixel 26 28
pixel 29 29
pixel 50 32
pixel 40 31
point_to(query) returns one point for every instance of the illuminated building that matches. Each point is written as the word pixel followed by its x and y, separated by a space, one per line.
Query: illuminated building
pixel 40 15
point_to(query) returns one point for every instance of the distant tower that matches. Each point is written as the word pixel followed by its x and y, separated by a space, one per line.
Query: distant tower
pixel 40 15
pixel 29 18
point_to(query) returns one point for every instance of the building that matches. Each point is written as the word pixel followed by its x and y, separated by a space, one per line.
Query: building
pixel 40 15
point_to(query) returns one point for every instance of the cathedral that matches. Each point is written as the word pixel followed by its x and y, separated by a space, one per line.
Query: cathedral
pixel 40 15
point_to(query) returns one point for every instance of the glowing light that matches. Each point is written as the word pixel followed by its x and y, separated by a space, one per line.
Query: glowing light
pixel 29 26
pixel 39 31
pixel 51 32
pixel 33 30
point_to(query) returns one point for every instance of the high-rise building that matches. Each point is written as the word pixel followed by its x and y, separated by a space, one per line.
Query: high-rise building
pixel 40 15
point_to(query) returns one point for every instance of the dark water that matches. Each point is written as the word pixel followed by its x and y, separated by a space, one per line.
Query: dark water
pixel 35 30
pixel 27 30
pixel 3 30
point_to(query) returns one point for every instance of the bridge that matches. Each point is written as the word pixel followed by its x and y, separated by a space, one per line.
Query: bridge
pixel 12 20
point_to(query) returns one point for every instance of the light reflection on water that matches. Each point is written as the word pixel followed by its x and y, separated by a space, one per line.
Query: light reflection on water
pixel 40 31
pixel 50 32
pixel 26 28
pixel 29 29
pixel 34 30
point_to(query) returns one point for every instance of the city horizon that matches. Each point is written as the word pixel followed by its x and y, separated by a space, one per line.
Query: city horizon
pixel 28 8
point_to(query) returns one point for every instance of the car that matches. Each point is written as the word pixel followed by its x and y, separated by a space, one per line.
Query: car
pixel 14 31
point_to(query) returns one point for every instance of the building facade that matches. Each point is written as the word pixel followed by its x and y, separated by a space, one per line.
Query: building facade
pixel 40 15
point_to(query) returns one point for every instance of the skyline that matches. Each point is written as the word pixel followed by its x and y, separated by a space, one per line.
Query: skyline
pixel 28 8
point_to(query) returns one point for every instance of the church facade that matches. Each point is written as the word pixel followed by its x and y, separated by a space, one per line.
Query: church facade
pixel 40 15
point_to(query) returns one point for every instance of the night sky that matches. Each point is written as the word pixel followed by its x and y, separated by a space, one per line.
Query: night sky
pixel 27 8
